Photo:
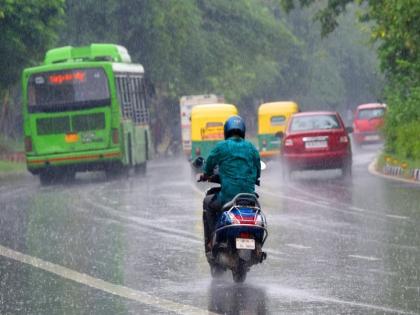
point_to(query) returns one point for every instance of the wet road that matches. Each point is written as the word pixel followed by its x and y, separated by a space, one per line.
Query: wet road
pixel 134 246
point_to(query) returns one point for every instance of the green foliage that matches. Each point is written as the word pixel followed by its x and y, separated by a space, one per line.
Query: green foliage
pixel 403 123
pixel 327 15
pixel 398 22
pixel 396 29
pixel 247 50
pixel 27 29
pixel 341 70
pixel 11 167
pixel 189 46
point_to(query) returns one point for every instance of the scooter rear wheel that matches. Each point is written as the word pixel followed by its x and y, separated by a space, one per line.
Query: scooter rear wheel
pixel 239 273
pixel 216 270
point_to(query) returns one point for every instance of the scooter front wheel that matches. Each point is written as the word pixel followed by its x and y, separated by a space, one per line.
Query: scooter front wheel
pixel 239 273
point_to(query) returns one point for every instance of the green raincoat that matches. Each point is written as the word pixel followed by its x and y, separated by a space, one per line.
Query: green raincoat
pixel 239 167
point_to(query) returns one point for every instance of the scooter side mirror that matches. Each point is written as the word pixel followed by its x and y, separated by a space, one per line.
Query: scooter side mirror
pixel 198 162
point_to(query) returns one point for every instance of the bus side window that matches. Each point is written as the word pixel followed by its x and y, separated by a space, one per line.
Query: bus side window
pixel 144 103
pixel 125 96
pixel 141 110
pixel 136 97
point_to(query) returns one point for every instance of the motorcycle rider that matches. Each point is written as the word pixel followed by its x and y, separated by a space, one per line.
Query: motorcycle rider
pixel 239 169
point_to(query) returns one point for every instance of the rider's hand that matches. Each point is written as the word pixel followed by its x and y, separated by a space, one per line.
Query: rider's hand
pixel 202 177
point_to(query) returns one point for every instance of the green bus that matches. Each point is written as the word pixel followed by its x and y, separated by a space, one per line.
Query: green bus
pixel 85 108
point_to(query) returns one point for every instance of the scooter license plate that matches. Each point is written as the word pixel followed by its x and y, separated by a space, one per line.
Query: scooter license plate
pixel 245 243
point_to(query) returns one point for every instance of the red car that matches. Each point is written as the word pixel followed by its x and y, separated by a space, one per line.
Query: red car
pixel 316 140
pixel 367 120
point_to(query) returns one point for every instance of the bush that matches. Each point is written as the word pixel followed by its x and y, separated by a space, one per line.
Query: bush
pixel 402 126
pixel 408 144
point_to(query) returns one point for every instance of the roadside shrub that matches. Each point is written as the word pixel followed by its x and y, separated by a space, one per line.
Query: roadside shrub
pixel 408 141
pixel 402 124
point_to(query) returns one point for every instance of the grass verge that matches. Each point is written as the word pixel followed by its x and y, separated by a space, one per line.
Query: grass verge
pixel 7 167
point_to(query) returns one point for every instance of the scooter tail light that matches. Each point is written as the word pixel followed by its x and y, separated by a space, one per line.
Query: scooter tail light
pixel 244 235
pixel 233 219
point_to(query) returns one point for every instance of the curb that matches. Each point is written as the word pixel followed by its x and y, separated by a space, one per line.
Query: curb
pixel 395 172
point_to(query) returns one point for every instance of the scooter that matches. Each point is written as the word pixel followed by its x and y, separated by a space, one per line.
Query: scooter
pixel 239 235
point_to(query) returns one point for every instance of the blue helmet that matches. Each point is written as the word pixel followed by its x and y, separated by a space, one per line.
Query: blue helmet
pixel 235 125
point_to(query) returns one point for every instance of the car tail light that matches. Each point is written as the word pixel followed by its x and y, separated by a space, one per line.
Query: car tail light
pixel 115 136
pixel 197 151
pixel 288 142
pixel 344 139
pixel 28 144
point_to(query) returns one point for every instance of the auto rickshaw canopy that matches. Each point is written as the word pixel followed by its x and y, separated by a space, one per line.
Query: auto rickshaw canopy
pixel 207 121
pixel 272 117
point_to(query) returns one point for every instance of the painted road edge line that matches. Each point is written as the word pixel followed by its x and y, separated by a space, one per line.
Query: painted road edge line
pixel 373 171
pixel 102 285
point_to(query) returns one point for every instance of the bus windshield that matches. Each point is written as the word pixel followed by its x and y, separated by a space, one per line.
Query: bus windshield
pixel 68 89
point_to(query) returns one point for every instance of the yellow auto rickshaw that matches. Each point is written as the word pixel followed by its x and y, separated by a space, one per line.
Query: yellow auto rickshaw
pixel 207 127
pixel 272 119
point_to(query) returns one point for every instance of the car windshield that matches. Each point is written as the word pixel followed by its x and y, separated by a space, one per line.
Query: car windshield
pixel 66 89
pixel 371 113
pixel 315 122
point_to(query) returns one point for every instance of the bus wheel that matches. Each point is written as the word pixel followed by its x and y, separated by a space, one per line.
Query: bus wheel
pixel 115 172
pixel 69 176
pixel 140 168
pixel 47 178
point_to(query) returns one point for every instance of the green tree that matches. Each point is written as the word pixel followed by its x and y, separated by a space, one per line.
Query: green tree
pixel 27 29
pixel 235 48
pixel 396 30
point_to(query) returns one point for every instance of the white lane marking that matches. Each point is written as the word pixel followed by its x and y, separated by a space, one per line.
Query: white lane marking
pixel 102 285
pixel 324 205
pixel 142 222
pixel 298 246
pixel 400 217
pixel 312 203
pixel 357 209
pixel 301 295
pixel 370 258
